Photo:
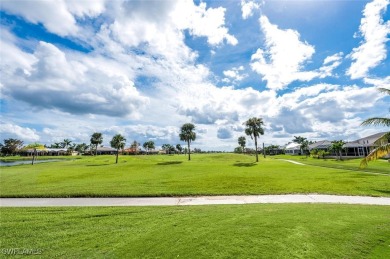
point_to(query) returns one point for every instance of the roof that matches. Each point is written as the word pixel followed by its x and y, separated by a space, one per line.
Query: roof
pixel 366 141
pixel 105 149
pixel 320 144
pixel 293 146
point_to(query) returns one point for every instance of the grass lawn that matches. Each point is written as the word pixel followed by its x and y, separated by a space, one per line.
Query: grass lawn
pixel 206 174
pixel 380 166
pixel 224 231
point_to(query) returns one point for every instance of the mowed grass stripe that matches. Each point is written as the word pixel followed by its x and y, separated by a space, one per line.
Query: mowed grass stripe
pixel 206 174
pixel 224 231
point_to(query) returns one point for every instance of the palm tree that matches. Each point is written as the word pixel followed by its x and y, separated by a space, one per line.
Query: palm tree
pixel 96 139
pixel 187 134
pixel 254 130
pixel 383 142
pixel 337 147
pixel 242 142
pixel 66 143
pixel 118 142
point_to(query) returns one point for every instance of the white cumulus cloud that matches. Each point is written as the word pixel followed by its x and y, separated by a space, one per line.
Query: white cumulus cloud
pixel 248 7
pixel 281 61
pixel 374 32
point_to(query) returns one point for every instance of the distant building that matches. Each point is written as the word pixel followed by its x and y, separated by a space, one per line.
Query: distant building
pixel 293 149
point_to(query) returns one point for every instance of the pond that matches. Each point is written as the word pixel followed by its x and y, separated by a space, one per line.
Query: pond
pixel 26 162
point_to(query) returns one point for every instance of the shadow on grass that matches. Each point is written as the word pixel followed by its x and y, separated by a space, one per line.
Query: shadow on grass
pixel 383 191
pixel 98 165
pixel 170 163
pixel 245 164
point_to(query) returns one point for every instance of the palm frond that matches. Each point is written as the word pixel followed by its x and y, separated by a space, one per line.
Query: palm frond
pixel 377 121
pixel 375 154
pixel 383 140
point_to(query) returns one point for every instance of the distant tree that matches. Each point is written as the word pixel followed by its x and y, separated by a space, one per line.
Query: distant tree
pixel 11 146
pixel 167 148
pixel 300 140
pixel 187 134
pixel 179 148
pixel 383 143
pixel 242 143
pixel 135 145
pixel 305 147
pixel 254 130
pixel 96 139
pixel 81 148
pixel 148 145
pixel 337 147
pixel 238 150
pixel 66 143
pixel 118 142
pixel 35 145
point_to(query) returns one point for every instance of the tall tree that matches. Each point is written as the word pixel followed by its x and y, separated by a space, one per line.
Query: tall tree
pixel 383 143
pixel 118 142
pixel 254 129
pixel 242 143
pixel 11 145
pixel 337 147
pixel 96 139
pixel 187 134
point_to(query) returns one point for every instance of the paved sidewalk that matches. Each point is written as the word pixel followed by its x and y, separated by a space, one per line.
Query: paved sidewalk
pixel 184 201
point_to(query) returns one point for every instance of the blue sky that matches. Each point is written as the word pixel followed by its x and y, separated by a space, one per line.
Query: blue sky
pixel 144 68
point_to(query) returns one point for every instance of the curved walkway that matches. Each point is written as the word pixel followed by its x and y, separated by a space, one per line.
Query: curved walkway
pixel 299 163
pixel 202 200
pixel 292 161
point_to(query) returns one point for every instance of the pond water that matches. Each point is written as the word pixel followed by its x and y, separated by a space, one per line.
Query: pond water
pixel 26 162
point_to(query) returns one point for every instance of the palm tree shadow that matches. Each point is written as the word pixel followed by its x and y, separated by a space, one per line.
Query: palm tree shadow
pixel 170 163
pixel 245 164
pixel 97 165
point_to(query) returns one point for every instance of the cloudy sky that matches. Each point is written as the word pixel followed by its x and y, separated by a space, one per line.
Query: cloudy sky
pixel 143 68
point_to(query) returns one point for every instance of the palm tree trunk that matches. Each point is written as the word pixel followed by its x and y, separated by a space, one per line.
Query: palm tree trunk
pixel 96 150
pixel 189 151
pixel 117 153
pixel 257 156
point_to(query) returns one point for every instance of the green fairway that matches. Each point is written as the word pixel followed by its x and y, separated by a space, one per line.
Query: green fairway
pixel 380 166
pixel 163 175
pixel 239 231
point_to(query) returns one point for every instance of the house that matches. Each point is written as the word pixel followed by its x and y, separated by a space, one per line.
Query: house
pixel 102 151
pixel 293 149
pixel 321 145
pixel 362 147
pixel 56 151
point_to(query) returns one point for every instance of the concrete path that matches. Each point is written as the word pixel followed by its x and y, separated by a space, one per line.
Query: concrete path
pixel 203 200
pixel 292 161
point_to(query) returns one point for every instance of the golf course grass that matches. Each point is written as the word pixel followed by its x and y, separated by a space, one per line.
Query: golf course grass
pixel 381 166
pixel 223 231
pixel 173 175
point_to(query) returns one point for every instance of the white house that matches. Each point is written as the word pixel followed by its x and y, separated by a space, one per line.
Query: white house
pixel 293 149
